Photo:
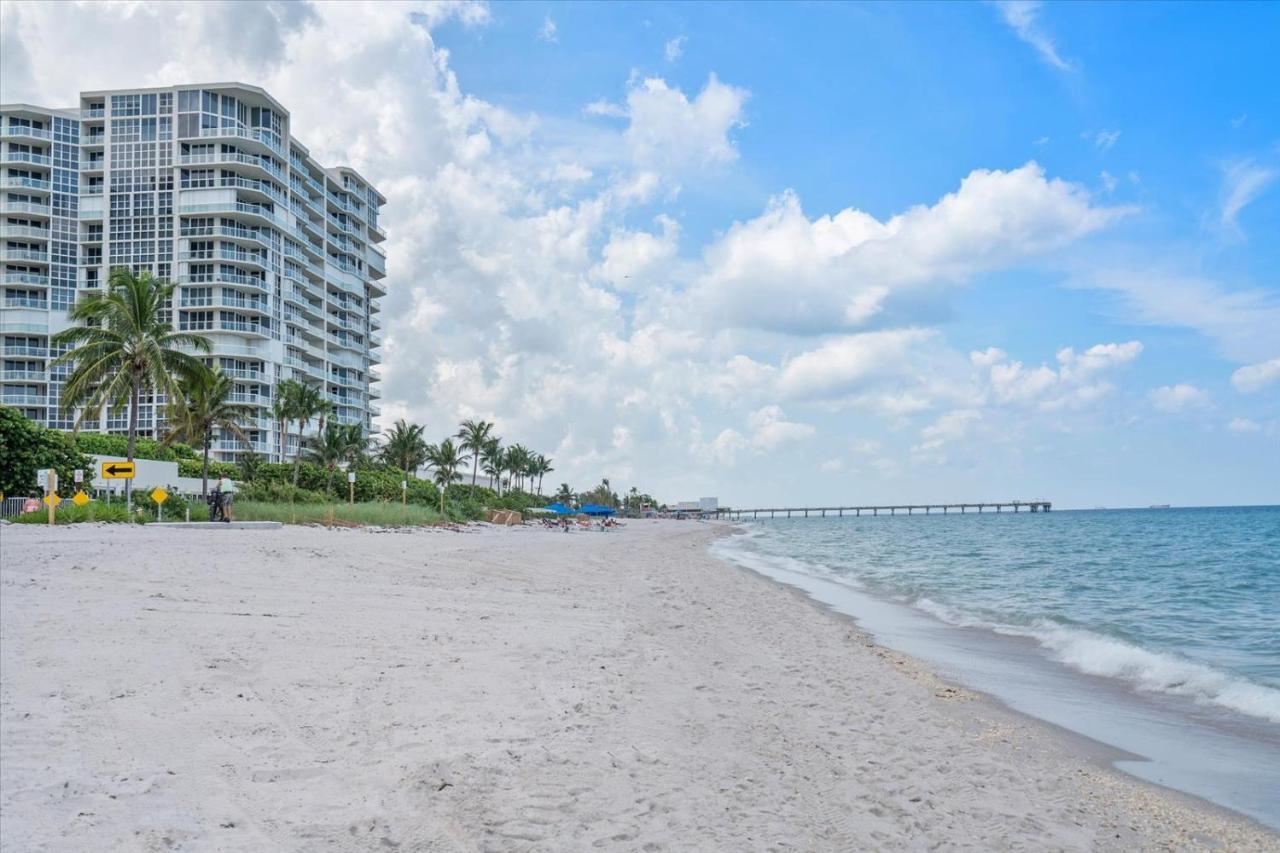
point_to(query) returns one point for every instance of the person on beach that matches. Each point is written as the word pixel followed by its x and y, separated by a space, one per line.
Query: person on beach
pixel 222 499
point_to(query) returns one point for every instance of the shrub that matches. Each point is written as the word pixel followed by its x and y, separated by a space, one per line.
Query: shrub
pixel 26 447
pixel 145 448
pixel 69 513
pixel 194 468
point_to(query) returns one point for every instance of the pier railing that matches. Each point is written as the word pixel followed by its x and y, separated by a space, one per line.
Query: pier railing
pixel 892 509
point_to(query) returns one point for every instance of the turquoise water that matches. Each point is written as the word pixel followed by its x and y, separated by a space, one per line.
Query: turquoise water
pixel 1155 631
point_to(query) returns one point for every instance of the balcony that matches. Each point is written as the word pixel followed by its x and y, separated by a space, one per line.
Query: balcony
pixel 24 350
pixel 250 399
pixel 261 137
pixel 18 231
pixel 226 231
pixel 18 182
pixel 38 255
pixel 259 260
pixel 266 164
pixel 246 375
pixel 25 302
pixel 24 376
pixel 92 189
pixel 18 131
pixel 32 208
pixel 24 399
pixel 25 157
pixel 93 140
pixel 26 278
pixel 93 112
pixel 229 279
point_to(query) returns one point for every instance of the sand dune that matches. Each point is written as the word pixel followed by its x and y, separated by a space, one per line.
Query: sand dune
pixel 501 689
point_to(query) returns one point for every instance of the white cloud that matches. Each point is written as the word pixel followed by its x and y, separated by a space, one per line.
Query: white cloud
pixel 949 427
pixel 841 365
pixel 1106 139
pixel 604 107
pixel 770 428
pixel 1239 120
pixel 634 259
pixel 1178 398
pixel 1076 382
pixel 672 132
pixel 1255 377
pixel 674 48
pixel 1021 15
pixel 785 272
pixel 1244 425
pixel 1241 322
pixel 547 32
pixel 1242 182
pixel 1109 182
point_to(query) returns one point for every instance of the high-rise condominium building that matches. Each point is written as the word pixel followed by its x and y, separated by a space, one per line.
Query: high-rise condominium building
pixel 276 257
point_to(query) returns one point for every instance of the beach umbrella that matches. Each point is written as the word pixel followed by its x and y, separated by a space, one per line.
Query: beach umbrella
pixel 596 509
pixel 559 509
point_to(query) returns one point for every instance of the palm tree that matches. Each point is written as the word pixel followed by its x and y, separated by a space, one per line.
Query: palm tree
pixel 338 444
pixel 308 402
pixel 517 462
pixel 474 438
pixel 564 494
pixel 205 405
pixel 282 411
pixel 493 459
pixel 542 466
pixel 122 346
pixel 405 448
pixel 445 459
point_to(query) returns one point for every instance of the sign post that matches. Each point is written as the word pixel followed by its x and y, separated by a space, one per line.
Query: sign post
pixel 351 487
pixel 159 495
pixel 404 492
pixel 121 471
pixel 51 491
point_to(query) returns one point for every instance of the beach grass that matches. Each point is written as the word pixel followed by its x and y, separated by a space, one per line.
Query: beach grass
pixel 379 513
pixel 69 513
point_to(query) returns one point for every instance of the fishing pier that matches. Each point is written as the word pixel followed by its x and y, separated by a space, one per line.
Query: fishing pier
pixel 908 509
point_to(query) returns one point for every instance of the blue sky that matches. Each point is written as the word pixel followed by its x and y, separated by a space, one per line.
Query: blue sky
pixel 795 252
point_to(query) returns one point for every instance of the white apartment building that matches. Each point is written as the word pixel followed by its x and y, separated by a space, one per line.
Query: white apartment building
pixel 276 257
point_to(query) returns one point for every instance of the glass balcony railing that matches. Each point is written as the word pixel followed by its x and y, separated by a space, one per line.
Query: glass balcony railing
pixel 29 132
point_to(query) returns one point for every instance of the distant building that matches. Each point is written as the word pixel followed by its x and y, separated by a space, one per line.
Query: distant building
pixel 276 257
pixel 701 506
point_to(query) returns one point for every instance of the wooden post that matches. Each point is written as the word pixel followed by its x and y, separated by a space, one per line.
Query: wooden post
pixel 48 490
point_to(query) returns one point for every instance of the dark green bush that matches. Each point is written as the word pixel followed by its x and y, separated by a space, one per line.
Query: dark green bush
pixel 146 448
pixel 193 467
pixel 26 447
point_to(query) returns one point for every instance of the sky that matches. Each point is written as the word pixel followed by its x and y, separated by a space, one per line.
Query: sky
pixel 789 254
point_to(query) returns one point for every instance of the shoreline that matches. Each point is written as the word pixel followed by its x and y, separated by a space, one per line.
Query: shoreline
pixel 1102 756
pixel 511 689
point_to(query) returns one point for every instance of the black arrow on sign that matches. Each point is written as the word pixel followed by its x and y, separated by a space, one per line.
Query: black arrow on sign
pixel 112 469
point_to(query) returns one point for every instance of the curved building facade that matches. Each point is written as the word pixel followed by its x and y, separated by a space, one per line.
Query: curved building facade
pixel 276 257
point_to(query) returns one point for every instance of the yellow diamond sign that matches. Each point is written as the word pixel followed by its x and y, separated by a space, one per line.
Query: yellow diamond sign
pixel 159 495
pixel 80 499
pixel 52 500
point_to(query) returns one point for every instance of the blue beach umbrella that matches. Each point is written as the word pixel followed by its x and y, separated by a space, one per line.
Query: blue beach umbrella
pixel 596 509
pixel 559 509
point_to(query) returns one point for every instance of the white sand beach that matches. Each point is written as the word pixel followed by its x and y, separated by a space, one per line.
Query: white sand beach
pixel 503 689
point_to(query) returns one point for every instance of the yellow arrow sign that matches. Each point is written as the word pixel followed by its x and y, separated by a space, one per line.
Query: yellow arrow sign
pixel 52 500
pixel 159 495
pixel 80 499
pixel 118 470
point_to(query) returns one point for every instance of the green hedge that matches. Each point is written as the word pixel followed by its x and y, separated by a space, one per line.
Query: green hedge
pixel 26 447
pixel 145 448
pixel 194 467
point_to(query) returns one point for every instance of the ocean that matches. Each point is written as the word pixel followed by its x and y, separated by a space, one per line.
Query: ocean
pixel 1156 632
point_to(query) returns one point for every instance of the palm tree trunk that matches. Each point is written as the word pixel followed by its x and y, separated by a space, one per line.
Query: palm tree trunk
pixel 328 488
pixel 135 395
pixel 475 469
pixel 297 458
